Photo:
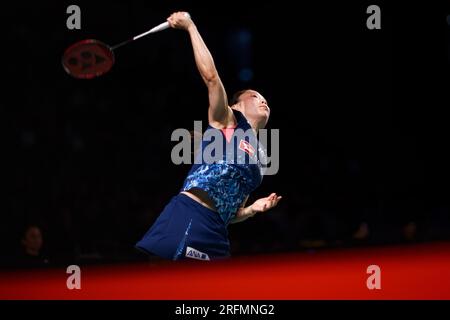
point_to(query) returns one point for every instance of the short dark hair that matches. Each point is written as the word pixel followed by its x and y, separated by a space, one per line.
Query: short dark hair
pixel 236 96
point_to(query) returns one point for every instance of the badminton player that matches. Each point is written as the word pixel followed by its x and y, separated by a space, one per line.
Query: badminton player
pixel 194 223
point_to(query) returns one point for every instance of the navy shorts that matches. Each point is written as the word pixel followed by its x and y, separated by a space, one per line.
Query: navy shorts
pixel 187 229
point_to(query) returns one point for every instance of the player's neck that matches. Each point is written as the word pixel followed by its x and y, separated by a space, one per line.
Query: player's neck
pixel 256 125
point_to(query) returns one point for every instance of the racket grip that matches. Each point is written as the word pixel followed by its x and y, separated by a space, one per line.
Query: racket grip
pixel 159 27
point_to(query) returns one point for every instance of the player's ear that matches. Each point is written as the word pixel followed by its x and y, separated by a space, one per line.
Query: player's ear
pixel 237 106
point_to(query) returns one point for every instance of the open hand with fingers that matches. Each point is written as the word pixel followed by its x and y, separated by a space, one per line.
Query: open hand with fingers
pixel 180 20
pixel 266 203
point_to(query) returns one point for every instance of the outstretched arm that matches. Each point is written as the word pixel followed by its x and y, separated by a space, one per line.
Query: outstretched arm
pixel 219 113
pixel 259 205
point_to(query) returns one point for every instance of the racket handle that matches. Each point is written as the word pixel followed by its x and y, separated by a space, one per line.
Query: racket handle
pixel 159 27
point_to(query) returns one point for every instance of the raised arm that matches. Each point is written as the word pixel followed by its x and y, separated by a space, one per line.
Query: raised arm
pixel 219 113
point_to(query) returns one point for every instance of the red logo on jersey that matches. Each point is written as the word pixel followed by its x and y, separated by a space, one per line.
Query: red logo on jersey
pixel 247 147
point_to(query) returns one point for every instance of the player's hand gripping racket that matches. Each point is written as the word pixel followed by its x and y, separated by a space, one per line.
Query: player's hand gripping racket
pixel 91 58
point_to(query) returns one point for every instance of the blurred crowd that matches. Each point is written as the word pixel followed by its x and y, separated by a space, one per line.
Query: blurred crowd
pixel 88 163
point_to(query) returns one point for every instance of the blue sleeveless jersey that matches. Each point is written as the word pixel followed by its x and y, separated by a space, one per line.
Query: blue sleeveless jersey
pixel 227 171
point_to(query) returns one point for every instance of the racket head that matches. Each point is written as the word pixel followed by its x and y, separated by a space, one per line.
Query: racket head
pixel 88 59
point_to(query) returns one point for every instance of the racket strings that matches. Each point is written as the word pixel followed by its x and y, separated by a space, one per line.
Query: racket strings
pixel 88 59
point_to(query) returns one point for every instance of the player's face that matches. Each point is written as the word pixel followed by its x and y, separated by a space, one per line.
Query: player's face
pixel 33 238
pixel 255 106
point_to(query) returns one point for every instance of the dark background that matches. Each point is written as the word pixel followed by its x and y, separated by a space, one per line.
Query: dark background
pixel 361 114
